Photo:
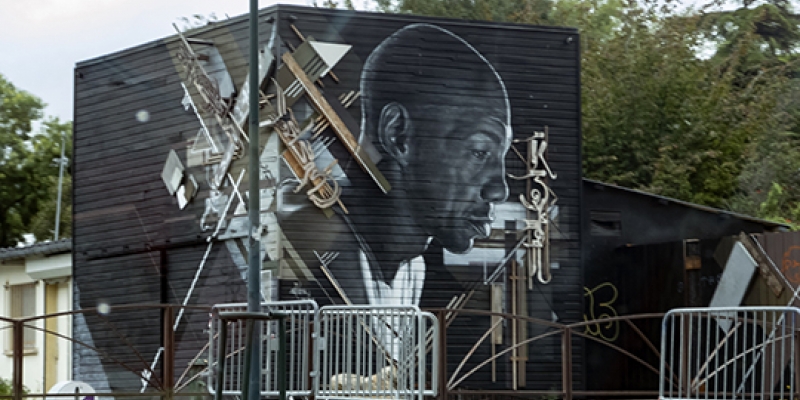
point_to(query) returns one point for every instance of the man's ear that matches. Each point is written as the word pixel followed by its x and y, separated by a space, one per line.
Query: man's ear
pixel 394 129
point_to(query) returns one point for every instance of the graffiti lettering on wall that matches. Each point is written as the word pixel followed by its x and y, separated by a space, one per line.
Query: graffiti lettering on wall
pixel 791 264
pixel 538 201
pixel 600 303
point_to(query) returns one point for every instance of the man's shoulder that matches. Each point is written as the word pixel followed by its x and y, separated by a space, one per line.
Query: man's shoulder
pixel 321 241
pixel 310 229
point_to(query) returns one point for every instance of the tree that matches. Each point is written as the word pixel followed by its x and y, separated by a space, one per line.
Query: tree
pixel 26 161
pixel 524 11
pixel 659 117
pixel 766 36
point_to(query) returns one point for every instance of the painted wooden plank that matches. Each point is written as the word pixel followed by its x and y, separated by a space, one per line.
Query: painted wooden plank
pixel 338 126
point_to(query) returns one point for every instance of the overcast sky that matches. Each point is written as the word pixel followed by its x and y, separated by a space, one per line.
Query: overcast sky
pixel 42 40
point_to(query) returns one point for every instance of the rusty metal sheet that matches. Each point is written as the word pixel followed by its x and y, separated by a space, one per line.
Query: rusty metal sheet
pixel 784 250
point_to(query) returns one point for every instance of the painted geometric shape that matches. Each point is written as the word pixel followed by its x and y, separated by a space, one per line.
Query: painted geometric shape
pixel 330 53
pixel 172 174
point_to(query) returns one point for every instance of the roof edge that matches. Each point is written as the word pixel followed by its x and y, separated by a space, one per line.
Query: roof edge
pixel 37 249
pixel 690 204
pixel 174 37
pixel 275 8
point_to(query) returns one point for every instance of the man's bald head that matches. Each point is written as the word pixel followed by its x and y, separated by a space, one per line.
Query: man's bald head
pixel 421 66
pixel 439 113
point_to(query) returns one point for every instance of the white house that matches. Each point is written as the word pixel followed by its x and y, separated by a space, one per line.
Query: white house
pixel 37 280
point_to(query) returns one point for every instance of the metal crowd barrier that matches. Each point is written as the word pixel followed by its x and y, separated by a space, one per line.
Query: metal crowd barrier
pixel 335 352
pixel 730 353
pixel 299 347
pixel 372 351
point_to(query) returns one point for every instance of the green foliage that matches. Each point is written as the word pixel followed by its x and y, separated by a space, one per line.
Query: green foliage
pixel 346 4
pixel 525 11
pixel 659 118
pixel 6 388
pixel 778 208
pixel 26 161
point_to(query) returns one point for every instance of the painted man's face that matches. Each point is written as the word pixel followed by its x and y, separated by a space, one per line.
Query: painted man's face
pixel 456 172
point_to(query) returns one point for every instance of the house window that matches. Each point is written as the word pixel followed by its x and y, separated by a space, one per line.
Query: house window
pixel 22 303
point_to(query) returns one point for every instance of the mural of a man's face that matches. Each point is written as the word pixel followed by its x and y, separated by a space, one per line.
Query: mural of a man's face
pixel 457 171
pixel 441 113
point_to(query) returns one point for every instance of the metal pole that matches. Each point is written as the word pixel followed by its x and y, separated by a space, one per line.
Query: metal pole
pixel 223 342
pixel 442 356
pixel 61 162
pixel 254 270
pixel 169 353
pixel 282 358
pixel 18 348
pixel 566 366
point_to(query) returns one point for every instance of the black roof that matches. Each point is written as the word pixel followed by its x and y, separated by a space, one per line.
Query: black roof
pixel 664 199
pixel 36 249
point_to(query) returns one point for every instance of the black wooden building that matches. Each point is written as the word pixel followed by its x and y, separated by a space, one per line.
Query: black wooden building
pixel 434 130
pixel 642 254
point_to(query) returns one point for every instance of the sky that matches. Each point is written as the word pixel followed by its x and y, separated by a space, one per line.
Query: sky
pixel 42 40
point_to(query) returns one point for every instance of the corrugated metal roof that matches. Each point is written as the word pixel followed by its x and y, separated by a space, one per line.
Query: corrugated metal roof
pixel 700 207
pixel 36 249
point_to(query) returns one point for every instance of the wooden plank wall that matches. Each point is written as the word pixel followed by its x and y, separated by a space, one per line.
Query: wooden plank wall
pixel 134 245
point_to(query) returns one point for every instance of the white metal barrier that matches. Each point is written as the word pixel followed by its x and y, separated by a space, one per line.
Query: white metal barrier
pixel 372 351
pixel 730 353
pixel 299 349
pixel 336 352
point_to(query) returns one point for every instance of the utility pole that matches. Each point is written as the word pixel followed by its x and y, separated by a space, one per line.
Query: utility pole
pixel 61 162
pixel 254 265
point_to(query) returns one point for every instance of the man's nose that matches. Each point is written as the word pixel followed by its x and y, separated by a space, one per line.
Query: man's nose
pixel 495 189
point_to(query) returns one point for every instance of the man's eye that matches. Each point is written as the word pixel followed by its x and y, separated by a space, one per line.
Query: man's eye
pixel 480 154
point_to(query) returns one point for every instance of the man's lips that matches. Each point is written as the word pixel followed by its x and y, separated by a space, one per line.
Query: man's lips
pixel 483 226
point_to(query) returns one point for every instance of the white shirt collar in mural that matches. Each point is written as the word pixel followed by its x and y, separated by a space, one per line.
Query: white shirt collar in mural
pixel 405 288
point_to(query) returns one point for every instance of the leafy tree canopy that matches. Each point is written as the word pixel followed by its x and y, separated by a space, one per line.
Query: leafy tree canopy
pixel 27 167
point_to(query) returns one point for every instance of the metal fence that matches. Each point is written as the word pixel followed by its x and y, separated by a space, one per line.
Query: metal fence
pixel 150 371
pixel 722 353
pixel 178 362
pixel 299 346
pixel 371 351
pixel 333 352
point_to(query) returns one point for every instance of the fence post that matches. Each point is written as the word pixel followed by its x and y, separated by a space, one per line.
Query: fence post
pixel 223 343
pixel 282 357
pixel 312 372
pixel 442 355
pixel 566 363
pixel 18 348
pixel 796 356
pixel 169 353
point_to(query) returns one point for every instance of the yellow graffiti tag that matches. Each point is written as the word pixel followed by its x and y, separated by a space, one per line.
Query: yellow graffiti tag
pixel 608 331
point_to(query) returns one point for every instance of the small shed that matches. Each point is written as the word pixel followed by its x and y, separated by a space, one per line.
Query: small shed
pixel 646 253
